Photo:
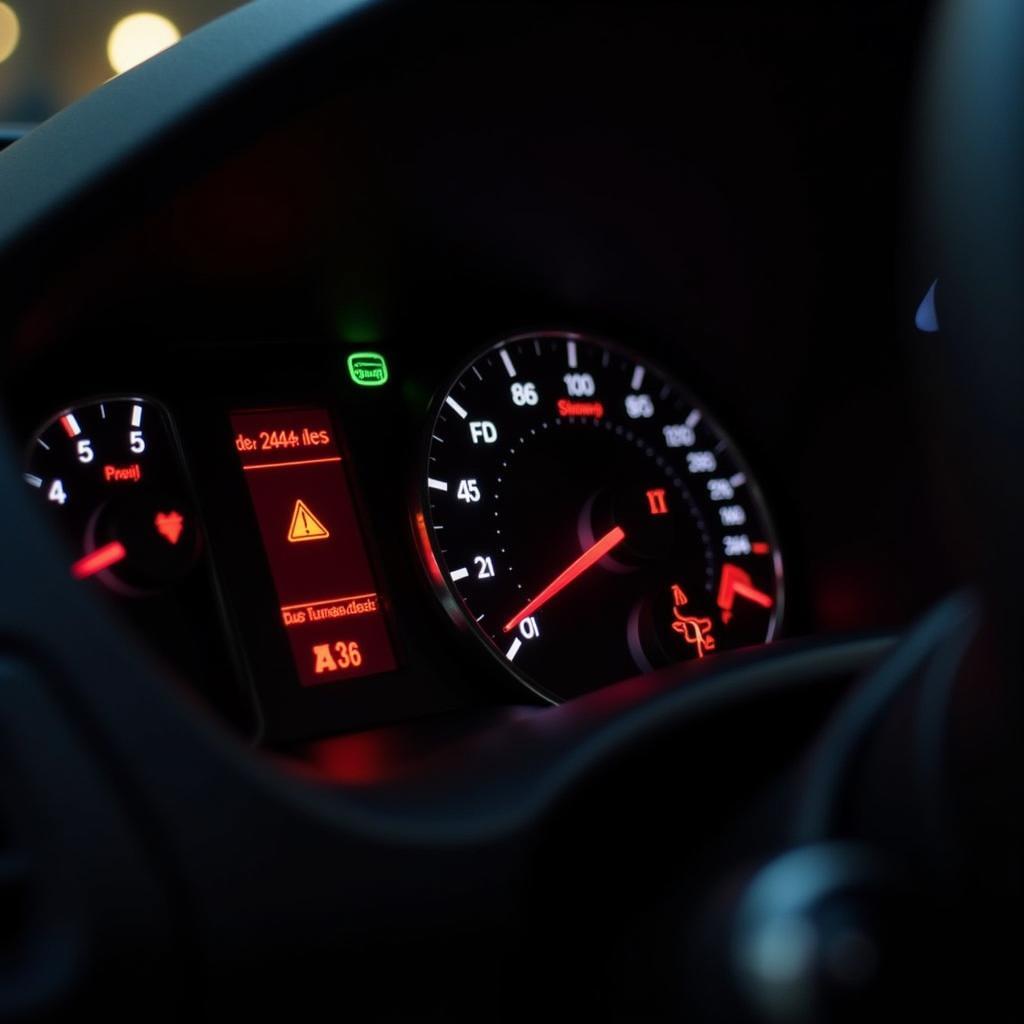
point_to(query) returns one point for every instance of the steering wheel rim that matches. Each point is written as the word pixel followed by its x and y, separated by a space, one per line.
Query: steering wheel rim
pixel 971 213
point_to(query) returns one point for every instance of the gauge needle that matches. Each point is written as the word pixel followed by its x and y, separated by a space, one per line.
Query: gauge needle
pixel 593 554
pixel 98 560
pixel 736 582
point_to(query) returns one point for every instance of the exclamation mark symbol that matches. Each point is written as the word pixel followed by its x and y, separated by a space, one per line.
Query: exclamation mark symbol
pixel 305 525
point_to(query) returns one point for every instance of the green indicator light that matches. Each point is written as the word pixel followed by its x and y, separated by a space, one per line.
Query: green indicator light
pixel 368 369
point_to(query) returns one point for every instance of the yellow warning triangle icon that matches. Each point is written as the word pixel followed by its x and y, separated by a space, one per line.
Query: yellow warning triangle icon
pixel 305 525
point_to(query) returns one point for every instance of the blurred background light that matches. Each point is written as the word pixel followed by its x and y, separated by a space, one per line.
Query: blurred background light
pixel 138 37
pixel 59 50
pixel 10 31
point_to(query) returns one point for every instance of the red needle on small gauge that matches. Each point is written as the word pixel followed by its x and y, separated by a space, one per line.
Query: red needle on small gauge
pixel 98 560
pixel 593 554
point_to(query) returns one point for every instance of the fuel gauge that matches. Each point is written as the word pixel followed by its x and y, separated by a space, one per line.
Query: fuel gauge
pixel 111 472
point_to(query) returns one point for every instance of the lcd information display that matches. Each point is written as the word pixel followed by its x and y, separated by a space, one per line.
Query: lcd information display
pixel 329 603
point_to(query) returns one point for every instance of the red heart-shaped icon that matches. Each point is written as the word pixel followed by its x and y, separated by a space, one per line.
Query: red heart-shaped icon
pixel 169 525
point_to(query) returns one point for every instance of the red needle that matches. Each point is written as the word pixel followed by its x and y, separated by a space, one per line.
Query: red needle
pixel 737 582
pixel 593 554
pixel 98 560
pixel 752 594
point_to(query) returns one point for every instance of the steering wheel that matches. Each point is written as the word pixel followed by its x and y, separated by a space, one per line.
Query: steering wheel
pixel 540 854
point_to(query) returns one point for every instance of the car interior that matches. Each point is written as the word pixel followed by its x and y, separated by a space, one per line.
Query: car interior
pixel 512 510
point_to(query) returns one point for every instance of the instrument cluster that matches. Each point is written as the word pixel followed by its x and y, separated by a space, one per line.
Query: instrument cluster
pixel 557 513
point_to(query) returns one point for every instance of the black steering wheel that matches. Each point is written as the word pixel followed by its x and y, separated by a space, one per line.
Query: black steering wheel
pixel 514 862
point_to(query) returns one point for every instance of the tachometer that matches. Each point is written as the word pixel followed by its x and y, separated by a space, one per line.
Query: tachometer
pixel 587 519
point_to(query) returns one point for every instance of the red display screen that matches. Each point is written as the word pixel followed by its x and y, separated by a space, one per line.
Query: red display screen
pixel 330 605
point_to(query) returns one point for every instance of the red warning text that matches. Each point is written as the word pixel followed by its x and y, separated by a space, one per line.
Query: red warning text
pixel 274 440
pixel 122 474
pixel 592 410
pixel 333 608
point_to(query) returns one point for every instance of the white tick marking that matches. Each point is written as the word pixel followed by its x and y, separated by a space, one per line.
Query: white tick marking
pixel 455 405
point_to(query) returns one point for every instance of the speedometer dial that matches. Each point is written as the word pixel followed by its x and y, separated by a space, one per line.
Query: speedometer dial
pixel 583 515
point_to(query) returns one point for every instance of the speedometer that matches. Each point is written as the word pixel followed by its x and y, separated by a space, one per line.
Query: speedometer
pixel 585 517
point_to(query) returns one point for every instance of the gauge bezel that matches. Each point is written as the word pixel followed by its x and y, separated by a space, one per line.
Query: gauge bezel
pixel 452 602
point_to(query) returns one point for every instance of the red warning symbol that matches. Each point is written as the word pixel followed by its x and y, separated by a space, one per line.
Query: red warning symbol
pixel 169 525
pixel 694 629
pixel 305 525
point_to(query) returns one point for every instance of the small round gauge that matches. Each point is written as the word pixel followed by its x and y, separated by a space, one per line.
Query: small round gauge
pixel 586 518
pixel 111 473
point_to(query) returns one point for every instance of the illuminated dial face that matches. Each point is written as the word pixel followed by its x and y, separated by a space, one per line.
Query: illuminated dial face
pixel 587 519
pixel 110 473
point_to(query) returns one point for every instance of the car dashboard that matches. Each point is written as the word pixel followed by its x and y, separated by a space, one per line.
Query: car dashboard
pixel 320 300
pixel 488 510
